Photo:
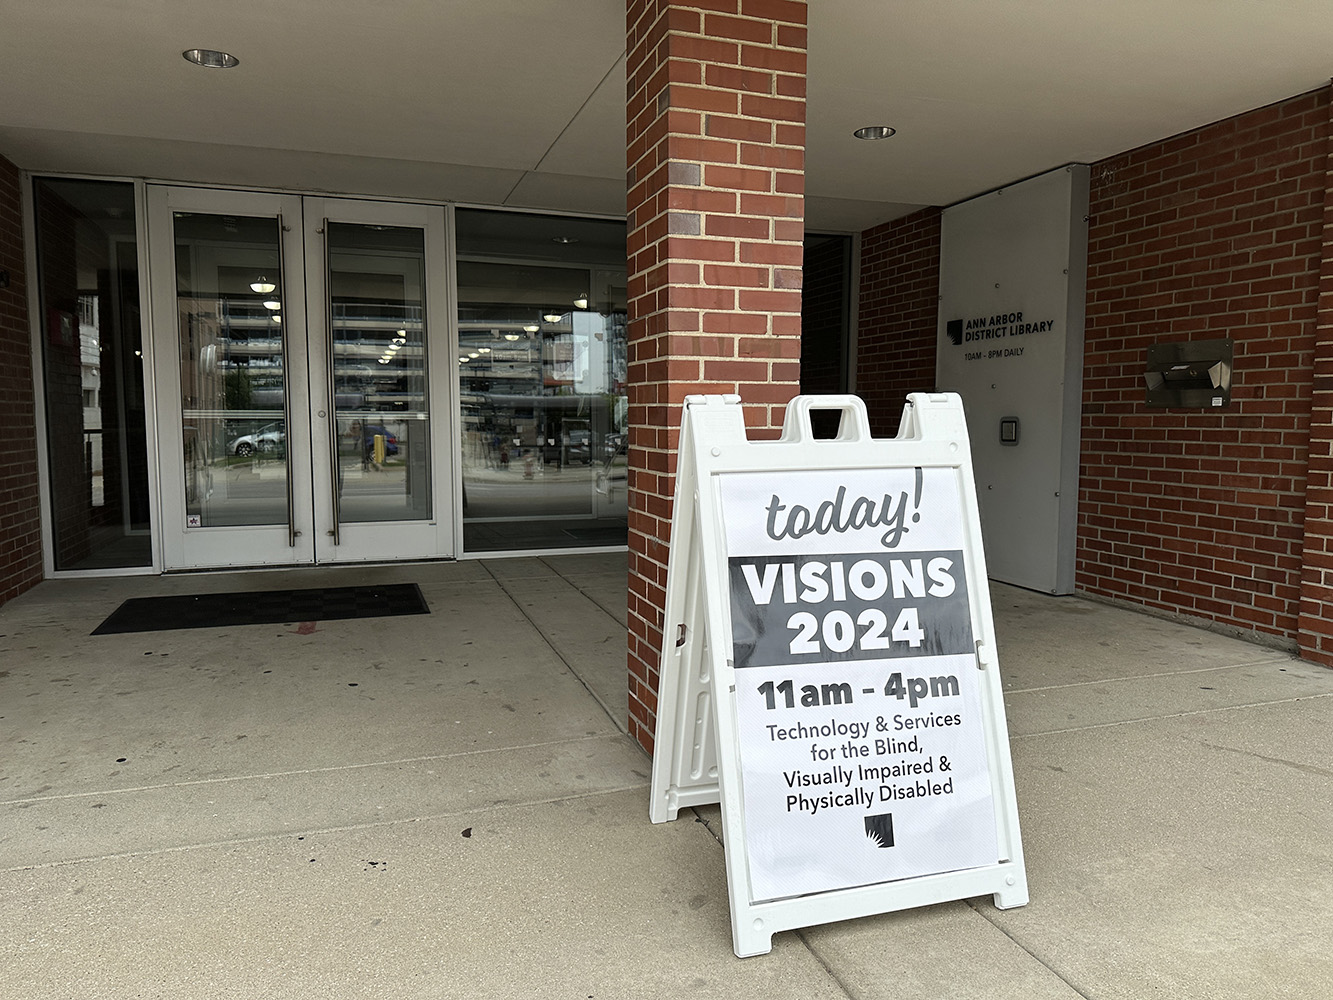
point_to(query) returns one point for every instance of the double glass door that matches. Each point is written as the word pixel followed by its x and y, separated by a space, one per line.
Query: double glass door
pixel 303 399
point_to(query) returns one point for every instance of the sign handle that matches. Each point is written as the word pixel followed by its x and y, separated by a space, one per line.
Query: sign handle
pixel 854 426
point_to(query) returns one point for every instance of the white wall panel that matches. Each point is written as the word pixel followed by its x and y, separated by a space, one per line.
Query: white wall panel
pixel 1013 272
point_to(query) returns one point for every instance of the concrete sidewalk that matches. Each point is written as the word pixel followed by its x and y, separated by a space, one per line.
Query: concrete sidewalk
pixel 447 806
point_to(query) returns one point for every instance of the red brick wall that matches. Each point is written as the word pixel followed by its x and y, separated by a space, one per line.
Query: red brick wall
pixel 824 315
pixel 20 526
pixel 716 157
pixel 1215 233
pixel 1316 611
pixel 896 328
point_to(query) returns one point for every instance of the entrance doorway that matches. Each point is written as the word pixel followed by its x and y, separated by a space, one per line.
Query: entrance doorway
pixel 303 392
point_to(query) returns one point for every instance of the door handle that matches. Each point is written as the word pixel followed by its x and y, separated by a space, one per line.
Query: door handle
pixel 292 533
pixel 335 480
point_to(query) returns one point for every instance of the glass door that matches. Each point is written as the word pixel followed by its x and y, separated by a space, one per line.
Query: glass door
pixel 383 469
pixel 294 395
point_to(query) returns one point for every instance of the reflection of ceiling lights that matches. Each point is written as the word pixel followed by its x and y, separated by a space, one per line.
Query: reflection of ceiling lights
pixel 582 301
pixel 484 350
pixel 511 337
pixel 210 58
pixel 462 361
pixel 395 346
pixel 473 354
pixel 262 285
pixel 553 317
pixel 276 317
pixel 383 361
pixel 531 328
pixel 564 239
pixel 273 304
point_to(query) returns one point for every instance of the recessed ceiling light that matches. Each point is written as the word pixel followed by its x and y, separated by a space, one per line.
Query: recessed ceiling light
pixel 564 239
pixel 874 132
pixel 210 58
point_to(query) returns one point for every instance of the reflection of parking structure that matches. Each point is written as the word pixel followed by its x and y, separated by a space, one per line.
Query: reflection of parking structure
pixel 270 437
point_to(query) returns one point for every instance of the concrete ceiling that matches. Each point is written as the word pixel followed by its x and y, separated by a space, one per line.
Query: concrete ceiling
pixel 521 102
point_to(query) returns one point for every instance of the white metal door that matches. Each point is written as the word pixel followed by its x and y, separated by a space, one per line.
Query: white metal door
pixel 303 402
pixel 380 382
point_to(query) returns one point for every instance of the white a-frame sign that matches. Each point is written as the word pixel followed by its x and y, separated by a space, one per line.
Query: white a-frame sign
pixel 829 672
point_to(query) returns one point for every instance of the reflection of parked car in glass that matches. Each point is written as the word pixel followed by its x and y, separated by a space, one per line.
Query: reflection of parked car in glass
pixel 270 437
pixel 566 449
pixel 579 448
pixel 613 443
pixel 390 441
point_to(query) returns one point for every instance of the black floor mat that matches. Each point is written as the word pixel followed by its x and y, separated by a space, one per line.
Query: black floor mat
pixel 264 607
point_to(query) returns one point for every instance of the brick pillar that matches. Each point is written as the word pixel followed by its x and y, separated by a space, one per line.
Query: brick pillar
pixel 1315 628
pixel 20 523
pixel 716 159
pixel 899 313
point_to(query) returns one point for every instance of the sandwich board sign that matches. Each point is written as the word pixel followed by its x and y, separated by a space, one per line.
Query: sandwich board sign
pixel 829 671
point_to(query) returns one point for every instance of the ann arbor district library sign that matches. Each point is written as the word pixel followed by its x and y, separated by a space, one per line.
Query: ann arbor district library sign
pixel 997 327
pixel 834 681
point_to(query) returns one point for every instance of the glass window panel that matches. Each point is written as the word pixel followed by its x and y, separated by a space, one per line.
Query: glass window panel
pixel 229 292
pixel 92 366
pixel 377 302
pixel 542 367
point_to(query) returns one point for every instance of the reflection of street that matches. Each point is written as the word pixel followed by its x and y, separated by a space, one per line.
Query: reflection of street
pixel 508 492
pixel 385 480
pixel 372 492
pixel 236 491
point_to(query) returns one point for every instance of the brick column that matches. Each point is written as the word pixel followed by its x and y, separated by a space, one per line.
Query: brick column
pixel 716 159
pixel 20 522
pixel 1315 628
pixel 900 307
